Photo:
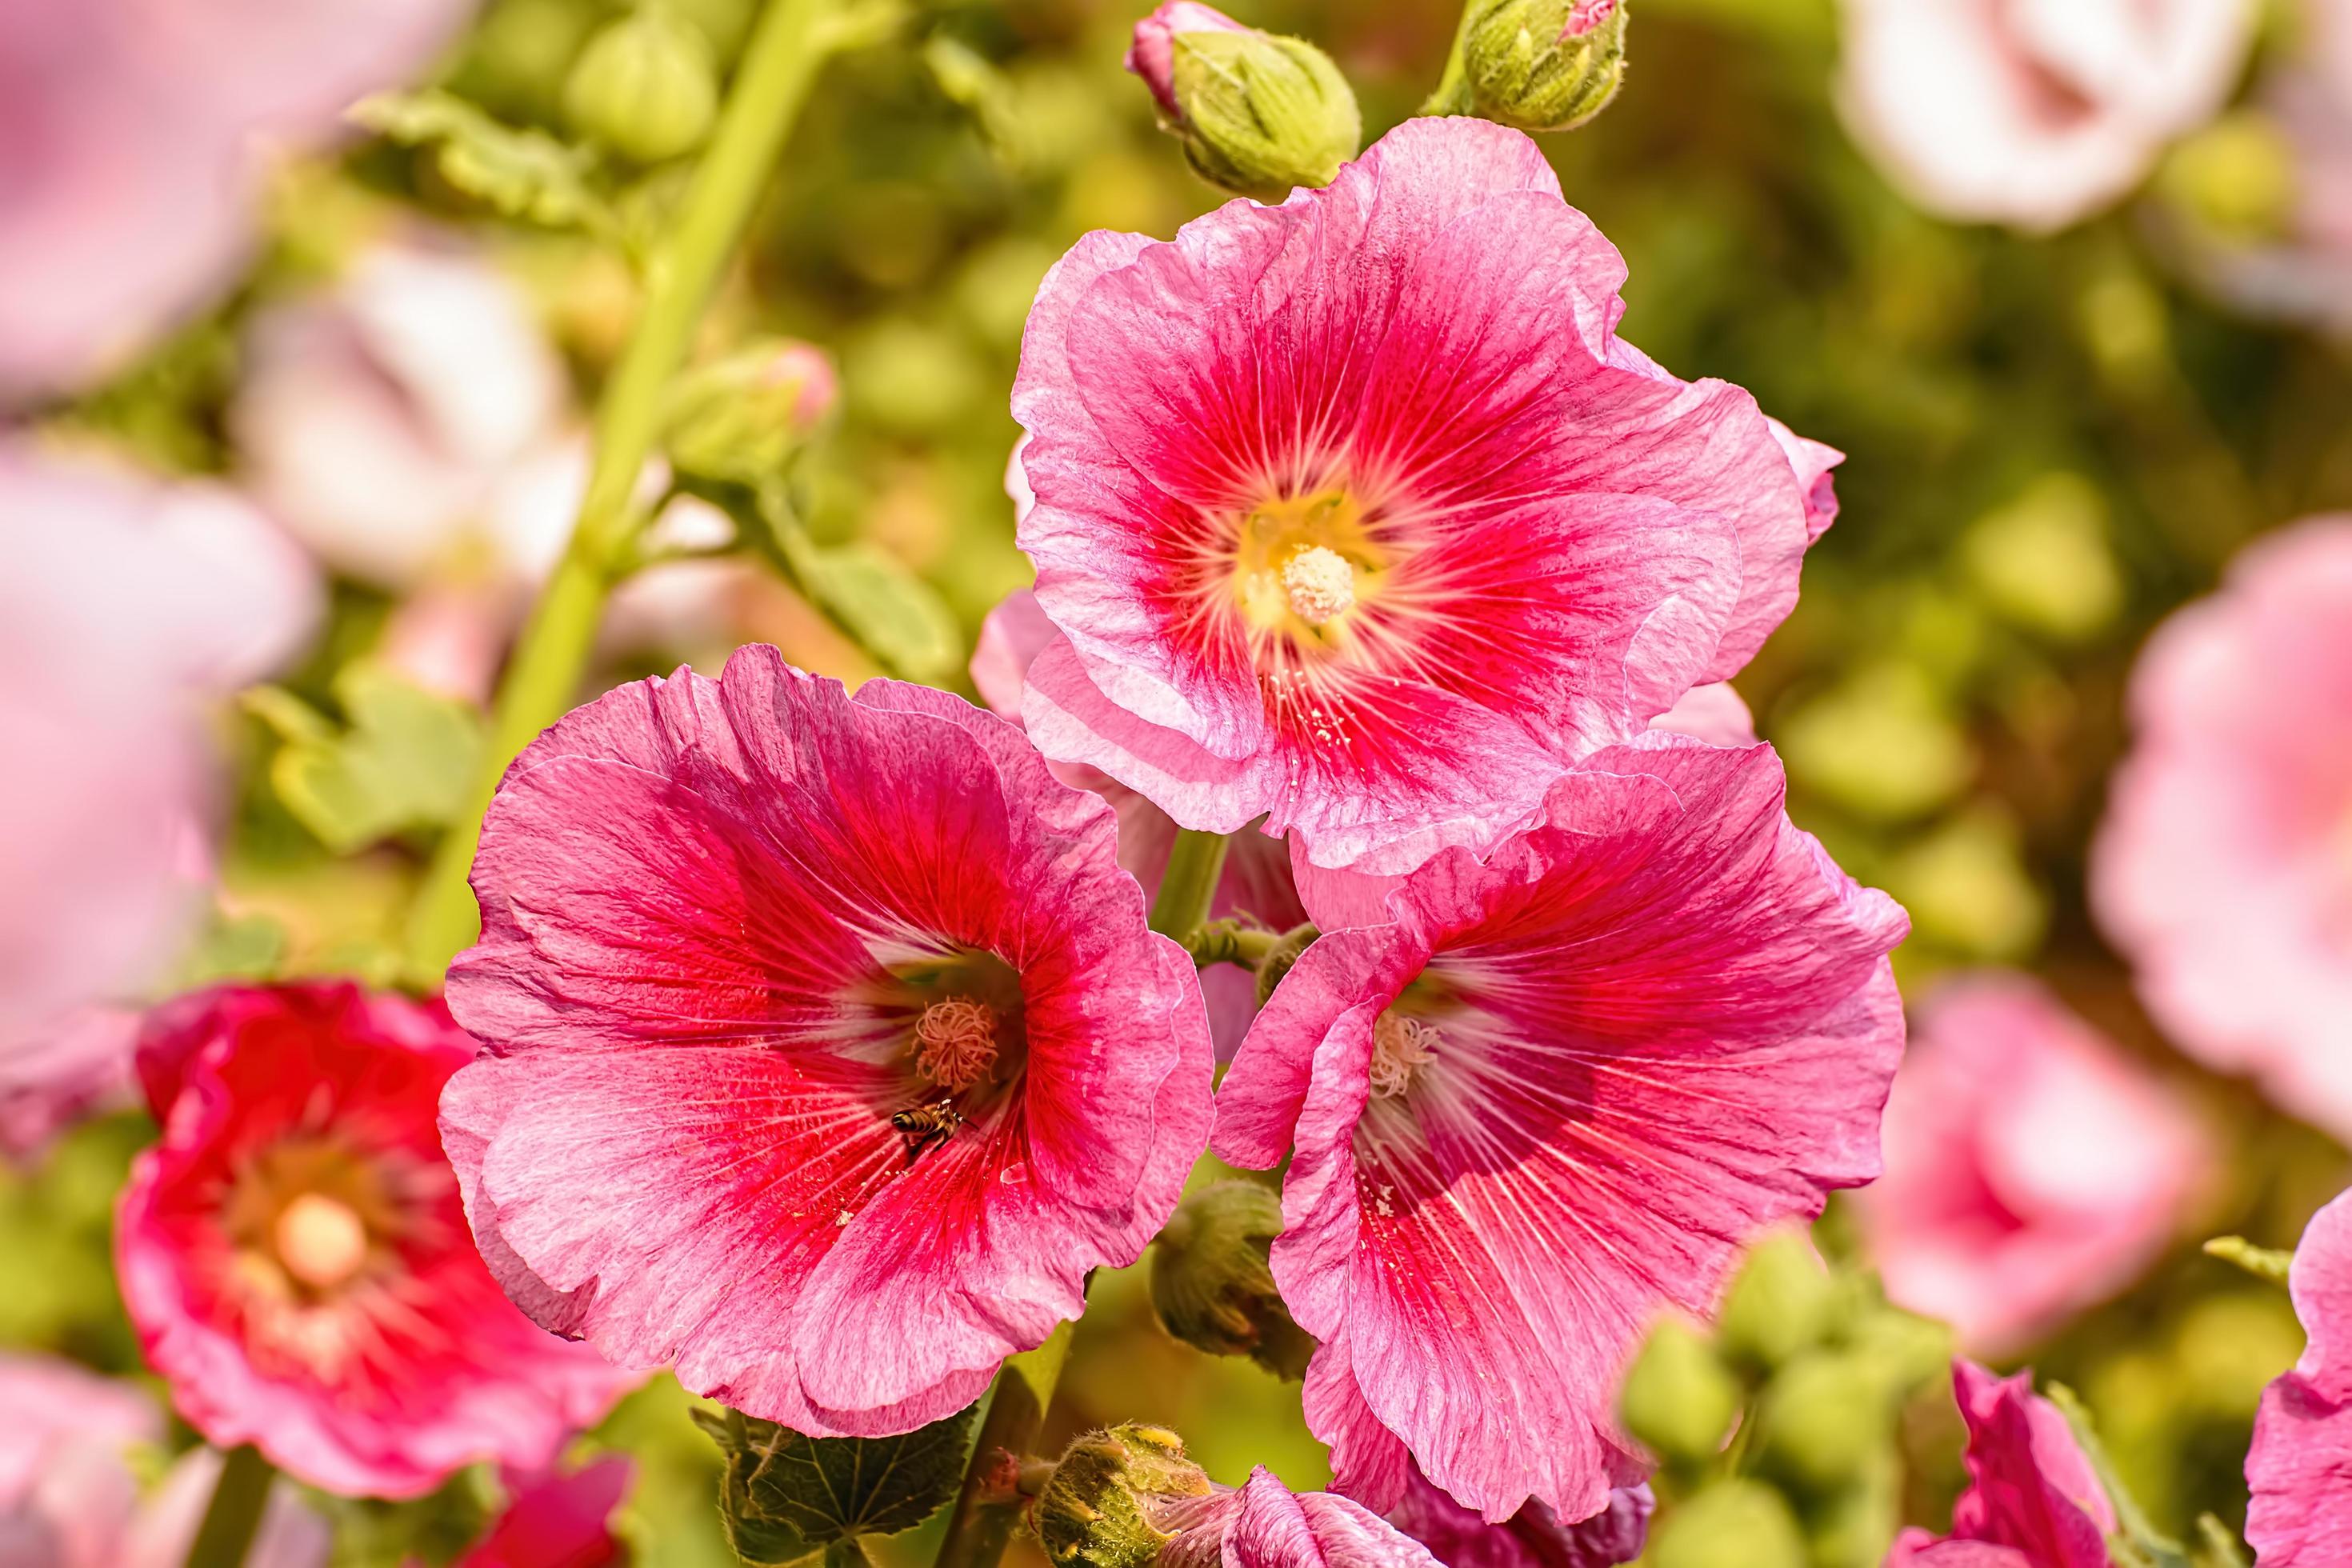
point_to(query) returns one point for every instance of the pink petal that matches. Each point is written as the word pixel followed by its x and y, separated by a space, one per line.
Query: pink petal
pixel 2300 1465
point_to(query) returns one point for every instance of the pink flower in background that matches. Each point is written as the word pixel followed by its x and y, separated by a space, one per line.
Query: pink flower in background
pixel 78 1065
pixel 558 1521
pixel 2032 112
pixel 1551 1101
pixel 2223 870
pixel 295 1258
pixel 1532 1538
pixel 2032 1501
pixel 2300 1466
pixel 134 132
pixel 126 604
pixel 71 1499
pixel 1257 882
pixel 1264 1524
pixel 2032 1169
pixel 829 1049
pixel 1356 514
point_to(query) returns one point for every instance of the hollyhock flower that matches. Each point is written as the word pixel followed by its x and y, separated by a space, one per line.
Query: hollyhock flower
pixel 1264 1524
pixel 135 130
pixel 2300 1465
pixel 2033 1500
pixel 2032 112
pixel 1551 1099
pixel 2221 870
pixel 558 1521
pixel 1355 512
pixel 1256 882
pixel 1535 1537
pixel 69 1498
pixel 2032 1169
pixel 934 1070
pixel 295 1258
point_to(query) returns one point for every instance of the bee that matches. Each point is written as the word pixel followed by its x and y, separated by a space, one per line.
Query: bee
pixel 925 1125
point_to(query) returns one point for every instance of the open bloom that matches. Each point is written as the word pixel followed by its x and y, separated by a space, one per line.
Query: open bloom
pixel 2033 1500
pixel 2224 867
pixel 1535 1537
pixel 829 1049
pixel 2032 1169
pixel 1255 881
pixel 2300 1465
pixel 1552 1098
pixel 2032 112
pixel 295 1258
pixel 1355 512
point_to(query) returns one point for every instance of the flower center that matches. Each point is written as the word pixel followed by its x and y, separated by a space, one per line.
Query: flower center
pixel 322 1241
pixel 955 1042
pixel 1303 564
pixel 1320 584
pixel 1401 1047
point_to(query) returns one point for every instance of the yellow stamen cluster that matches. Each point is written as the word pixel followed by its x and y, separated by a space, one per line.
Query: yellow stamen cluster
pixel 1401 1047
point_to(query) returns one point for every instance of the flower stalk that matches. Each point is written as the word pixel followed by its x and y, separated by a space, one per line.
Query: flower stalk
pixel 232 1517
pixel 1195 861
pixel 985 1510
pixel 792 41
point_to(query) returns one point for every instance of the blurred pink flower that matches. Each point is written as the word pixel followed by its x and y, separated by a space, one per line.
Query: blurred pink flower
pixel 53 1077
pixel 2223 870
pixel 125 605
pixel 1533 1538
pixel 2032 1169
pixel 1356 514
pixel 558 1520
pixel 2032 112
pixel 132 135
pixel 70 1499
pixel 2032 1500
pixel 1551 1101
pixel 1264 1524
pixel 295 1258
pixel 934 1069
pixel 2300 1466
pixel 1257 882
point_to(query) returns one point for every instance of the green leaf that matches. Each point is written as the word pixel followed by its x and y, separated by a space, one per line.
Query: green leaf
pixel 407 760
pixel 785 1497
pixel 897 616
pixel 525 174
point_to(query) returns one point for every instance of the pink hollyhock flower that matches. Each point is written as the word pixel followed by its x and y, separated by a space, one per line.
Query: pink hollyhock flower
pixel 1356 514
pixel 2032 1169
pixel 1551 1099
pixel 1533 1538
pixel 1264 1524
pixel 69 1498
pixel 1256 880
pixel 934 1069
pixel 558 1521
pixel 2222 870
pixel 295 1258
pixel 2300 1466
pixel 135 130
pixel 2033 1500
pixel 2032 112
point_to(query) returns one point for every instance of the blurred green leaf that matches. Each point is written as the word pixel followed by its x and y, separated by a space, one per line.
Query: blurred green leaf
pixel 525 174
pixel 785 1495
pixel 406 762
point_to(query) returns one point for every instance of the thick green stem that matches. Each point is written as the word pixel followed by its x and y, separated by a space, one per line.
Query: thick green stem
pixel 779 63
pixel 988 1505
pixel 1195 861
pixel 233 1516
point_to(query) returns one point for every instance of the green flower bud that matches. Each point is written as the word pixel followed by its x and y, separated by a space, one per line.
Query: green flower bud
pixel 645 87
pixel 1258 113
pixel 1852 1527
pixel 1095 1511
pixel 1781 1302
pixel 1733 1524
pixel 1279 958
pixel 744 417
pixel 1825 1418
pixel 1211 1283
pixel 1542 65
pixel 1679 1398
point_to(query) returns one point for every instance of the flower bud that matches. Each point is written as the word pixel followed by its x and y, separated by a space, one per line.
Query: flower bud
pixel 744 417
pixel 645 87
pixel 1098 1508
pixel 1542 65
pixel 1212 1285
pixel 1679 1398
pixel 1781 1303
pixel 1257 113
pixel 1824 1419
pixel 1732 1524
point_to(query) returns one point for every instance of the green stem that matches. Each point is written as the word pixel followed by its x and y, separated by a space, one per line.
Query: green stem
pixel 781 62
pixel 1230 941
pixel 234 1515
pixel 1195 861
pixel 988 1504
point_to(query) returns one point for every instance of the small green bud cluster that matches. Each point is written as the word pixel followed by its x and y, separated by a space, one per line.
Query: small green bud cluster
pixel 1542 65
pixel 645 87
pixel 1212 1283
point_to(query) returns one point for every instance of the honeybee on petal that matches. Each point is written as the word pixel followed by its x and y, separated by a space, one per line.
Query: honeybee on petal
pixel 923 1126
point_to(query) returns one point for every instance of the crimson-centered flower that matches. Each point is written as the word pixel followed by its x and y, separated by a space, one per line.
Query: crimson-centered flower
pixel 1356 513
pixel 828 1049
pixel 1551 1099
pixel 2033 1500
pixel 2300 1466
pixel 295 1258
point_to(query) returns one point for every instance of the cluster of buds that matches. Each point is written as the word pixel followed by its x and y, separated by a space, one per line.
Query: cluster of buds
pixel 1258 114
